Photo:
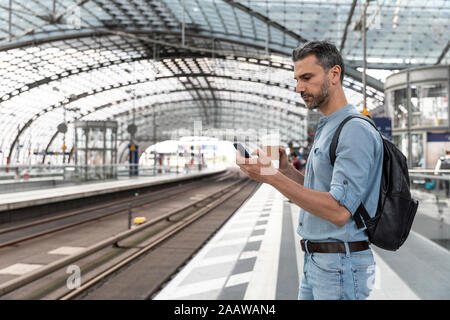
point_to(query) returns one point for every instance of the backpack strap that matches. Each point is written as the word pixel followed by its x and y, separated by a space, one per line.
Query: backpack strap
pixel 335 140
pixel 361 211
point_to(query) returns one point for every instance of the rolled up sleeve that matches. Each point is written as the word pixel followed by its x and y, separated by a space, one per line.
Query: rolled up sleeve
pixel 355 156
pixel 345 197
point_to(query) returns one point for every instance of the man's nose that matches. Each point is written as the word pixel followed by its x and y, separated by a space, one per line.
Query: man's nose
pixel 300 87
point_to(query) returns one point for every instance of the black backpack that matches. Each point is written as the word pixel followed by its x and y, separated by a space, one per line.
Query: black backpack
pixel 390 226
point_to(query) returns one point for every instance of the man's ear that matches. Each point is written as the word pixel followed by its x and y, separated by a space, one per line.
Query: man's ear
pixel 335 73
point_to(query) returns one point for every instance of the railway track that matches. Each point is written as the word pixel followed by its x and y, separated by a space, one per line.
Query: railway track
pixel 150 235
pixel 93 213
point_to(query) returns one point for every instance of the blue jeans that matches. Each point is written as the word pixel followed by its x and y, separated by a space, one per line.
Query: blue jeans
pixel 337 276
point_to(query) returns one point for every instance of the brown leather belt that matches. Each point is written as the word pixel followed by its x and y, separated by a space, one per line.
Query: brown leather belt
pixel 334 247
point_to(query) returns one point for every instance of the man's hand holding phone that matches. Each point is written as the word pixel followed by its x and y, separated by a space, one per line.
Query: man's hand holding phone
pixel 240 148
pixel 260 168
pixel 284 165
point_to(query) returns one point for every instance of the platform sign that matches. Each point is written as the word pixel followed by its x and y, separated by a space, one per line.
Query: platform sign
pixel 438 137
pixel 134 159
pixel 385 126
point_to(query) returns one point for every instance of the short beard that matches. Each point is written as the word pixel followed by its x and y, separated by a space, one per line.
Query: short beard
pixel 321 97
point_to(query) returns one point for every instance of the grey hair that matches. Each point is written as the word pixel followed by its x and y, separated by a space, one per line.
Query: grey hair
pixel 326 53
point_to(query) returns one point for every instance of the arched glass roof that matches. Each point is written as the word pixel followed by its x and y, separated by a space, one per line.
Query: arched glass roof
pixel 168 63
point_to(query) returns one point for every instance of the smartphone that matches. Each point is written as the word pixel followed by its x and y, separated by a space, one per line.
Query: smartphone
pixel 242 150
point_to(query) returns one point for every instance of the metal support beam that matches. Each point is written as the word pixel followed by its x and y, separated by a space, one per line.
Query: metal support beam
pixel 182 24
pixel 216 107
pixel 205 111
pixel 350 71
pixel 408 107
pixel 56 17
pixel 10 19
pixel 266 20
pixel 349 19
pixel 448 94
pixel 117 102
pixel 142 113
pixel 85 94
pixel 49 144
pixel 444 52
pixel 376 84
pixel 364 75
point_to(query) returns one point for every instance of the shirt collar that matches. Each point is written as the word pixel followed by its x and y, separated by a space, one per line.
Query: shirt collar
pixel 337 114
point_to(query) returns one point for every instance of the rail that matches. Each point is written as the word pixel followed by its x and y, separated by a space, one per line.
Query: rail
pixel 178 226
pixel 118 206
pixel 41 272
pixel 432 187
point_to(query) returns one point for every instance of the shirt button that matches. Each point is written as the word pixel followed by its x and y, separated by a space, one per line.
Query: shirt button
pixel 301 224
pixel 345 181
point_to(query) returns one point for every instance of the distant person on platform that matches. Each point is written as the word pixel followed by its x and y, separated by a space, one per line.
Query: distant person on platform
pixel 338 260
pixel 295 161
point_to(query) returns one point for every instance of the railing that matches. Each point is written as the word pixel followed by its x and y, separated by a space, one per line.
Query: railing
pixel 436 182
pixel 429 181
pixel 432 189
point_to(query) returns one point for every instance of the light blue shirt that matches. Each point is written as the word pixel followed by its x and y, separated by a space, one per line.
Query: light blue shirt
pixel 355 177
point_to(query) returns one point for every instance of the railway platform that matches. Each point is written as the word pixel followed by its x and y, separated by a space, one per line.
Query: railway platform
pixel 247 249
pixel 50 196
pixel 256 256
pixel 37 247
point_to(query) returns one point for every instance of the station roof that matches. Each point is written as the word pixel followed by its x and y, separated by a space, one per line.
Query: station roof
pixel 222 62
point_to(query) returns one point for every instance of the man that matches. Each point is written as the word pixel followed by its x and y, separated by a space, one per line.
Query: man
pixel 295 161
pixel 338 261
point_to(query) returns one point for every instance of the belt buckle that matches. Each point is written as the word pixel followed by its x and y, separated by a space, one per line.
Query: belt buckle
pixel 305 244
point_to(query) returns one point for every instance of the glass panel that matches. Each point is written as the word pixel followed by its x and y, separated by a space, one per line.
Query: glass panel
pixel 95 138
pixel 81 158
pixel 417 150
pixel 429 104
pixel 114 139
pixel 401 141
pixel 95 158
pixel 397 101
pixel 108 169
pixel 417 140
pixel 81 138
pixel 109 139
pixel 108 157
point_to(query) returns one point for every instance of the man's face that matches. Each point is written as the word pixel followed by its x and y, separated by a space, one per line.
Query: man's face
pixel 312 82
